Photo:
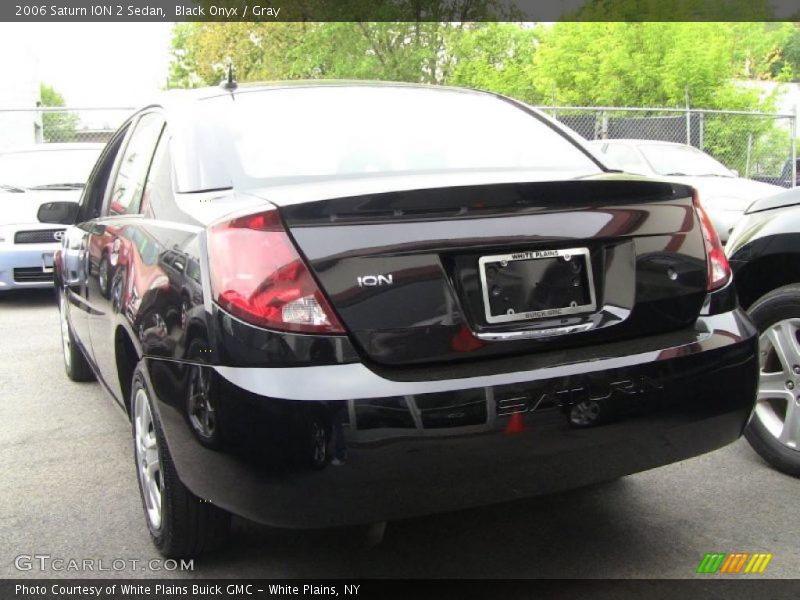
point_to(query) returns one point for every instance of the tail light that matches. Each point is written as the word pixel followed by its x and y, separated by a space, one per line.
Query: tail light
pixel 719 271
pixel 258 276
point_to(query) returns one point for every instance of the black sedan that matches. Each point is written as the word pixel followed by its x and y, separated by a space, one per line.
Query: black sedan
pixel 764 251
pixel 353 303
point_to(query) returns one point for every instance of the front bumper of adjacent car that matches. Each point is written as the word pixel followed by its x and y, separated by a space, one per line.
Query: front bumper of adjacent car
pixel 401 443
pixel 25 266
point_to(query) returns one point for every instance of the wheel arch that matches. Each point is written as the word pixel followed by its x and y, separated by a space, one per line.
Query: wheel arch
pixel 127 357
pixel 765 273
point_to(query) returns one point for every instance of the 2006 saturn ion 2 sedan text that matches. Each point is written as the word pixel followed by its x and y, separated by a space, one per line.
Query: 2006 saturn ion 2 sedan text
pixel 341 304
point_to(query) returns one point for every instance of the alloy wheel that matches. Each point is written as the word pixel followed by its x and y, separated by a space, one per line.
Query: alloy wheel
pixel 66 342
pixel 202 414
pixel 148 458
pixel 778 401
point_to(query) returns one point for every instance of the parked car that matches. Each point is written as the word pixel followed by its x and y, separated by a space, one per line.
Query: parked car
pixel 392 300
pixel 723 193
pixel 785 178
pixel 764 251
pixel 30 177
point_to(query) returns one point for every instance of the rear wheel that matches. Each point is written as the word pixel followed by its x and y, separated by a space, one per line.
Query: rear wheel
pixel 75 363
pixel 774 430
pixel 104 276
pixel 201 405
pixel 180 523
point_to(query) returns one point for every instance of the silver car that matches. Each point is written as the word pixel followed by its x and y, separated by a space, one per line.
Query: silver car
pixel 723 193
pixel 29 178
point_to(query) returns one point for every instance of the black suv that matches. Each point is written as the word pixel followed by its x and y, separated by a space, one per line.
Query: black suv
pixel 337 304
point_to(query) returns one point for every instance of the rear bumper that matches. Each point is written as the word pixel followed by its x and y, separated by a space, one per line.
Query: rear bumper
pixel 415 442
pixel 28 259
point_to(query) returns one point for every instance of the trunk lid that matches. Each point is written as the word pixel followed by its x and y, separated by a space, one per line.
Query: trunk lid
pixel 418 275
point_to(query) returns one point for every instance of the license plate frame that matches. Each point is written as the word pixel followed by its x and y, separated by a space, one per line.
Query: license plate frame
pixel 566 254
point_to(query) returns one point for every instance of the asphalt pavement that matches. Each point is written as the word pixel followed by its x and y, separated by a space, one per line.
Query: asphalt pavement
pixel 69 492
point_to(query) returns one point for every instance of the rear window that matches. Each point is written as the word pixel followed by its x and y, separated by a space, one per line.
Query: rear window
pixel 327 132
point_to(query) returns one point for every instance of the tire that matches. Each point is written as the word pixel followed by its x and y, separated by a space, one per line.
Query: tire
pixel 202 413
pixel 117 290
pixel 104 276
pixel 181 525
pixel 75 364
pixel 774 429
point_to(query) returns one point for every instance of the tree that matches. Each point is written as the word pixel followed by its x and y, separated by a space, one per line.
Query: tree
pixel 785 59
pixel 399 40
pixel 675 10
pixel 420 52
pixel 498 57
pixel 56 126
pixel 641 64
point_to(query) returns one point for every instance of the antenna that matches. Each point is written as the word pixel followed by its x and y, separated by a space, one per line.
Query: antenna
pixel 230 83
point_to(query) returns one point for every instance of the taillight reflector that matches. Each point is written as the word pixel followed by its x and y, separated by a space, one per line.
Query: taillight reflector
pixel 719 271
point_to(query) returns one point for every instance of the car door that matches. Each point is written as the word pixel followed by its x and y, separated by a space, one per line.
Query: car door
pixel 119 241
pixel 78 264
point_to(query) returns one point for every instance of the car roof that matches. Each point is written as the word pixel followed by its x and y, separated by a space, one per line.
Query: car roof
pixel 176 100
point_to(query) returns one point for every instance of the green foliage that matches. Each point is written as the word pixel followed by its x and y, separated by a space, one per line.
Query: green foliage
pixel 597 63
pixel 56 126
pixel 397 51
pixel 497 57
pixel 784 63
pixel 652 64
pixel 674 10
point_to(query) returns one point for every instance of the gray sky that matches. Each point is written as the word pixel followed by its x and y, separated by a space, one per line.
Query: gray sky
pixel 93 64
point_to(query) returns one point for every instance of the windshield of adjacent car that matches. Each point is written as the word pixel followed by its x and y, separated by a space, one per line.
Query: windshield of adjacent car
pixel 668 159
pixel 342 131
pixel 46 168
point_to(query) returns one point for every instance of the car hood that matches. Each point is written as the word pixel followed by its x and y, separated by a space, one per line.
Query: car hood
pixel 785 198
pixel 18 208
pixel 728 193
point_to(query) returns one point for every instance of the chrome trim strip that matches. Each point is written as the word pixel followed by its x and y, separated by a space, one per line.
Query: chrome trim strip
pixel 356 381
pixel 507 336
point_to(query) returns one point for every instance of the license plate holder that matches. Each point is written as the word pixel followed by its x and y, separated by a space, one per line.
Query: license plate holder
pixel 537 284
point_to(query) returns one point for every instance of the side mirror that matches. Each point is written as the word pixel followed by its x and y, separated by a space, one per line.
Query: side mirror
pixel 63 213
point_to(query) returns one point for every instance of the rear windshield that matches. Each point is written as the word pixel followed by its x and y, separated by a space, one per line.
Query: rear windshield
pixel 274 136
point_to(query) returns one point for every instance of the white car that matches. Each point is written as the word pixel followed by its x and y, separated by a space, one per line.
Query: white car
pixel 31 177
pixel 724 194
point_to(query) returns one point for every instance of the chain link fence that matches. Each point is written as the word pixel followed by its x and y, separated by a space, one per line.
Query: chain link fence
pixel 20 127
pixel 756 145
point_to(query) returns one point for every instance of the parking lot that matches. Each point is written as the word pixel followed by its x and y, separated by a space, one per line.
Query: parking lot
pixel 69 491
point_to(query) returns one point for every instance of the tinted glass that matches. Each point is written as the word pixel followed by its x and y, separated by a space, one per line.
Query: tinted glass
pixel 303 133
pixel 129 182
